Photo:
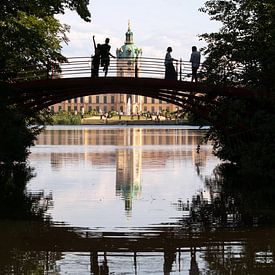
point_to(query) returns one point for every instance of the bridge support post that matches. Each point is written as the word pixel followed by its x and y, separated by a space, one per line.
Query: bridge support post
pixel 136 67
pixel 180 69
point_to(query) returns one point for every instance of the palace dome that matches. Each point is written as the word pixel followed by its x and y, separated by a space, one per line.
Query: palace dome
pixel 129 49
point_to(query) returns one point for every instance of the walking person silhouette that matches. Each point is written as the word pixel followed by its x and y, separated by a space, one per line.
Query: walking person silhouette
pixel 195 59
pixel 105 55
pixel 95 59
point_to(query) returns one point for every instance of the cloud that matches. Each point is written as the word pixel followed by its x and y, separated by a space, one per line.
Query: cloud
pixel 172 25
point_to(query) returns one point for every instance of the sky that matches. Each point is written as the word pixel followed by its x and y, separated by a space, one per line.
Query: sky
pixel 156 25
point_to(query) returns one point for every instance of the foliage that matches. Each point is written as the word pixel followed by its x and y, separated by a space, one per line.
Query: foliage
pixel 31 39
pixel 243 51
pixel 248 138
pixel 18 132
pixel 31 36
pixel 66 118
pixel 45 8
pixel 242 54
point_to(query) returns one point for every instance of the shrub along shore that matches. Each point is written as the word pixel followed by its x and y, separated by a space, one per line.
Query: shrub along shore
pixel 65 118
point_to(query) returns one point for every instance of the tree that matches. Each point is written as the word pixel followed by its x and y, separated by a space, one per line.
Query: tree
pixel 243 51
pixel 31 35
pixel 31 40
pixel 242 54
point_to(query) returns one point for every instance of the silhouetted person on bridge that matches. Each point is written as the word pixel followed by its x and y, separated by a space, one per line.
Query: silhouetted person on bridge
pixel 105 55
pixel 170 72
pixel 195 59
pixel 95 59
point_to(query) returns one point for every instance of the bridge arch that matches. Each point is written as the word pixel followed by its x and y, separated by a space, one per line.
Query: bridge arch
pixel 39 94
pixel 43 93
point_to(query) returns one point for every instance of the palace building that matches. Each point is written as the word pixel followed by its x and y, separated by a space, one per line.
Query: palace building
pixel 127 65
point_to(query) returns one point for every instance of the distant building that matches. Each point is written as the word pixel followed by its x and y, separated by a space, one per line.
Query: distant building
pixel 128 65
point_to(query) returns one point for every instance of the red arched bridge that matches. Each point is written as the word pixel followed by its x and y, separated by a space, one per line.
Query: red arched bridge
pixel 45 85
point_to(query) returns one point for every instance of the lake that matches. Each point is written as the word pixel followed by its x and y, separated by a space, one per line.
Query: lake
pixel 131 200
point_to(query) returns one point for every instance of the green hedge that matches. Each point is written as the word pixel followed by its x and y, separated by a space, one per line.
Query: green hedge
pixel 66 118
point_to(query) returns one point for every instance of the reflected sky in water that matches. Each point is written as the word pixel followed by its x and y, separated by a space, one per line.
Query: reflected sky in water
pixel 115 178
pixel 131 200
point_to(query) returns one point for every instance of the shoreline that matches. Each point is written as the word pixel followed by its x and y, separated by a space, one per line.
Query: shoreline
pixel 155 122
pixel 170 126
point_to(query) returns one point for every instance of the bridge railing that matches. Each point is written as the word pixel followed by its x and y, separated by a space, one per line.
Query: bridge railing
pixel 128 67
pixel 119 67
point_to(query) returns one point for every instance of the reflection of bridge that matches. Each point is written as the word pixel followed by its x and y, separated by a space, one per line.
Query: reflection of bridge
pixel 221 249
pixel 42 87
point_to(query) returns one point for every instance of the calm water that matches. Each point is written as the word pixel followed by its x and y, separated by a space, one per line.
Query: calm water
pixel 130 200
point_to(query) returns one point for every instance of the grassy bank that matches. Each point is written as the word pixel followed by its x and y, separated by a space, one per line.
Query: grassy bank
pixel 131 120
pixel 65 118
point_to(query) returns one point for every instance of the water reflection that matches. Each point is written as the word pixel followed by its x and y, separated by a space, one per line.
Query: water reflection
pixel 15 201
pixel 17 206
pixel 131 153
pixel 118 136
pixel 182 215
pixel 128 168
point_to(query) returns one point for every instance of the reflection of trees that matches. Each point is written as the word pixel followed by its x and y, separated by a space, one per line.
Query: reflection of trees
pixel 28 262
pixel 17 204
pixel 248 203
pixel 15 201
pixel 235 226
pixel 240 206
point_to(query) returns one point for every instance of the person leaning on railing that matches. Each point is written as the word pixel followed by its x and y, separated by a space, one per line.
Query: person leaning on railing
pixel 170 72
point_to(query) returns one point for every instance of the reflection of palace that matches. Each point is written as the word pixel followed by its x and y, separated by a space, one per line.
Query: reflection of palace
pixel 128 172
pixel 129 157
pixel 187 139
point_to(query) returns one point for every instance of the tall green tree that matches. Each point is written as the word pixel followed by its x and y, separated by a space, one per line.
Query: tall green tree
pixel 30 35
pixel 242 54
pixel 243 50
pixel 31 38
